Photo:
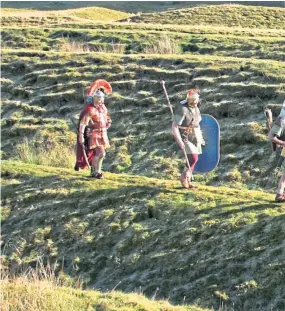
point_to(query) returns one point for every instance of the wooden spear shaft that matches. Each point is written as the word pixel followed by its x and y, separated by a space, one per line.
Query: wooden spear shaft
pixel 170 107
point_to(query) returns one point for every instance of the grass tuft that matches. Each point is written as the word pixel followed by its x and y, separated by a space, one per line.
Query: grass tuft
pixel 48 153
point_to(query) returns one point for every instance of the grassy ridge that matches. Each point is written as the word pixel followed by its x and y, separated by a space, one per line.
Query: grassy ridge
pixel 15 22
pixel 228 15
pixel 23 295
pixel 232 16
pixel 91 13
pixel 134 232
pixel 127 6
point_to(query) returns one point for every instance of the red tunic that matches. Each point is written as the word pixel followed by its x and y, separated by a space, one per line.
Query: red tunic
pixel 97 121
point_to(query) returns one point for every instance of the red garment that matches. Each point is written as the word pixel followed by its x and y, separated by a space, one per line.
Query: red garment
pixel 99 121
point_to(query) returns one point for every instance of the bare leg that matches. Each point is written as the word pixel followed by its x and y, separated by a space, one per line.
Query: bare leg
pixel 185 178
pixel 281 185
pixel 97 161
pixel 100 155
pixel 193 159
pixel 280 197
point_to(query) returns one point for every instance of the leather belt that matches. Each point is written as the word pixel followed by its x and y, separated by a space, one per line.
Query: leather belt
pixel 99 130
pixel 185 127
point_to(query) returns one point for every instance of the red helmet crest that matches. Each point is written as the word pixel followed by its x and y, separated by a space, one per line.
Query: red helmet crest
pixel 99 84
pixel 193 92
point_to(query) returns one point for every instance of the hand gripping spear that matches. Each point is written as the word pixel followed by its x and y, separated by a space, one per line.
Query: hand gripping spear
pixel 170 107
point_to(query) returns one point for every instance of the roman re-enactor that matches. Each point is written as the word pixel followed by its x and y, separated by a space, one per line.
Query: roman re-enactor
pixel 187 132
pixel 92 138
pixel 277 136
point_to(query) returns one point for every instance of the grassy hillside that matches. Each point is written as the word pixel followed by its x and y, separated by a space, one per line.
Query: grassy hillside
pixel 220 247
pixel 215 244
pixel 228 15
pixel 90 13
pixel 135 39
pixel 219 15
pixel 126 6
pixel 43 91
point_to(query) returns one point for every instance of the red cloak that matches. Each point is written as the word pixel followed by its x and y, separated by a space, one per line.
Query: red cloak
pixel 80 159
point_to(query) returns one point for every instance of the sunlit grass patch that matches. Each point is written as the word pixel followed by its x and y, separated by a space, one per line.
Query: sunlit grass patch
pixel 97 14
pixel 49 153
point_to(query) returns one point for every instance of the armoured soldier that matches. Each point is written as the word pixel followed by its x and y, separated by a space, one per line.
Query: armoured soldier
pixel 277 136
pixel 92 137
pixel 187 132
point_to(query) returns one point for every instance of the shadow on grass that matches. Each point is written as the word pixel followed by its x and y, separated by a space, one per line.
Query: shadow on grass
pixel 104 234
pixel 249 208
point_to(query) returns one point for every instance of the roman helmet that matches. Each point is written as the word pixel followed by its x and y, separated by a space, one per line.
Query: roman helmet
pixel 99 88
pixel 192 95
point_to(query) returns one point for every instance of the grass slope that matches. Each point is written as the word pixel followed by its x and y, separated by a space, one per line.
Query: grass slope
pixel 89 13
pixel 215 247
pixel 119 38
pixel 228 15
pixel 42 91
pixel 207 246
pixel 20 295
pixel 126 6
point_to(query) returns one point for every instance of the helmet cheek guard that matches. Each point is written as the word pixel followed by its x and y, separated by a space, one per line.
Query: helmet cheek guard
pixel 89 100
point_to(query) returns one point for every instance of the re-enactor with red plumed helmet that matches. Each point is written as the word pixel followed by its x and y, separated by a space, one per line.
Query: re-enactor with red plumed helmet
pixel 92 138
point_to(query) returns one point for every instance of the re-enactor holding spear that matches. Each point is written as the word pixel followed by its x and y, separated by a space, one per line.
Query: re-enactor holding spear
pixel 187 132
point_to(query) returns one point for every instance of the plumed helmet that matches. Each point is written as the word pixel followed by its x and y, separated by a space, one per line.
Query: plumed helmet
pixel 98 94
pixel 193 94
pixel 101 85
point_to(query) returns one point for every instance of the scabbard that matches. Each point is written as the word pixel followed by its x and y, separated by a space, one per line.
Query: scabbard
pixel 85 156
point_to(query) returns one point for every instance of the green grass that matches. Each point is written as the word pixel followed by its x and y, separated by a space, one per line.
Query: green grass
pixel 50 94
pixel 127 6
pixel 98 14
pixel 220 247
pixel 228 15
pixel 145 41
pixel 199 246
pixel 15 11
pixel 23 295
pixel 89 13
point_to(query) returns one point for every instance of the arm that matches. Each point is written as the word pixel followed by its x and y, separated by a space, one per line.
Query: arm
pixel 272 137
pixel 176 121
pixel 269 119
pixel 275 132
